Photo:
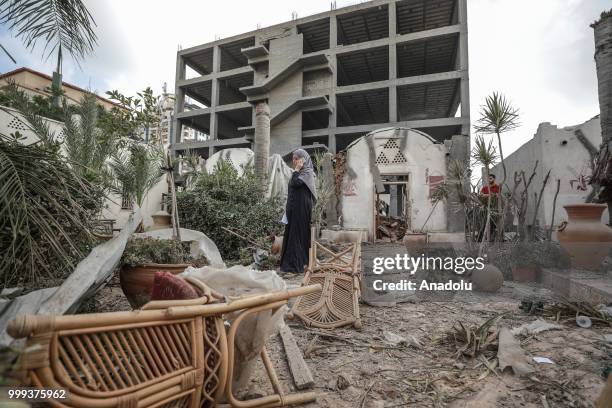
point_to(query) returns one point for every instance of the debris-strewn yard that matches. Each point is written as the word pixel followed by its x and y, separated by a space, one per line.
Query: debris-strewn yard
pixel 365 369
pixel 369 368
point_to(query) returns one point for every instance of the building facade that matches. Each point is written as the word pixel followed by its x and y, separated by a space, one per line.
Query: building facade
pixel 36 83
pixel 330 78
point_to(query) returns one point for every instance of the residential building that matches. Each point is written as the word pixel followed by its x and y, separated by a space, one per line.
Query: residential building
pixel 331 78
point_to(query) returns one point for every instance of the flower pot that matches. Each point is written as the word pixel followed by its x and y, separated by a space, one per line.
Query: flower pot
pixel 525 273
pixel 488 279
pixel 585 238
pixel 137 281
pixel 415 243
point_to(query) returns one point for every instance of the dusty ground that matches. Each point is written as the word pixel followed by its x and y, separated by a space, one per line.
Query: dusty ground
pixel 375 374
pixel 357 368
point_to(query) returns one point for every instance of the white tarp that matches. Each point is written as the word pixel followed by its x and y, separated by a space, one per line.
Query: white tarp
pixel 278 171
pixel 278 176
pixel 256 329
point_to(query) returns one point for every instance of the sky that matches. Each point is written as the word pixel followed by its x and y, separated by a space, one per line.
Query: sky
pixel 538 53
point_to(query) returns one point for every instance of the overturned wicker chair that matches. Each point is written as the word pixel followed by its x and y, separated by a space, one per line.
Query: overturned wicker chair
pixel 170 354
pixel 338 273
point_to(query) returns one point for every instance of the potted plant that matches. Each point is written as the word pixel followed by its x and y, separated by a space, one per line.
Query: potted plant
pixel 145 256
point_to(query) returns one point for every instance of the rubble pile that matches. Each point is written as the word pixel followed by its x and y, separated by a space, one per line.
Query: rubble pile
pixel 390 229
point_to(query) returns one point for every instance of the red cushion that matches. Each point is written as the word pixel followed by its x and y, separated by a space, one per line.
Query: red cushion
pixel 167 286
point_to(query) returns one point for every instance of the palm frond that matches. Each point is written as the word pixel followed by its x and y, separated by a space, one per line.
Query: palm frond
pixel 46 212
pixel 497 115
pixel 60 24
pixel 136 170
pixel 484 153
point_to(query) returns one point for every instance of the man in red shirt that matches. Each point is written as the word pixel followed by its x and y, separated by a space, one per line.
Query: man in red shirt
pixel 492 189
pixel 492 186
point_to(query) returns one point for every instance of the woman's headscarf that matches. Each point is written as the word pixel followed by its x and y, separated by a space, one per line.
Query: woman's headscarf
pixel 307 173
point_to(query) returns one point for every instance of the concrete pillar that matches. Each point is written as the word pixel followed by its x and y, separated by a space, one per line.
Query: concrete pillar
pixel 392 62
pixel 261 143
pixel 179 102
pixel 214 97
pixel 333 43
pixel 464 66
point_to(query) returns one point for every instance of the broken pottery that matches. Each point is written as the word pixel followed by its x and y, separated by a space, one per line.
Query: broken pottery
pixel 137 281
pixel 487 279
pixel 585 237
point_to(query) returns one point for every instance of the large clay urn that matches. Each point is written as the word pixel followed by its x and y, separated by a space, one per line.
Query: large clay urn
pixel 585 238
pixel 137 281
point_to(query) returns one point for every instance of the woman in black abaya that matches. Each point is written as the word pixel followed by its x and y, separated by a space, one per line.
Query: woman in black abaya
pixel 301 197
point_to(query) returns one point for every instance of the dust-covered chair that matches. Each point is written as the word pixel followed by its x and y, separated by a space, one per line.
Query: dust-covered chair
pixel 169 354
pixel 339 275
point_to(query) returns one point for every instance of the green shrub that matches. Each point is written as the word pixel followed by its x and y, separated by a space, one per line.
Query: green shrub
pixel 139 251
pixel 225 199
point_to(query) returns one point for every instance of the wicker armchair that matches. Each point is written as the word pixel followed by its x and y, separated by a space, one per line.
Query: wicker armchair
pixel 170 354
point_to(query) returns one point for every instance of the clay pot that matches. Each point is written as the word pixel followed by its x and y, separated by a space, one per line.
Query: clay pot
pixel 415 243
pixel 137 281
pixel 585 238
pixel 277 245
pixel 488 279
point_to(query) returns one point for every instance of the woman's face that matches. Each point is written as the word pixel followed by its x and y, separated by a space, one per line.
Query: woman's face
pixel 295 159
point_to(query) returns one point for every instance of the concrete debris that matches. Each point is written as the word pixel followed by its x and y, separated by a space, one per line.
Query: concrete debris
pixel 510 354
pixel 390 229
pixel 91 273
pixel 343 381
pixel 535 327
pixel 394 339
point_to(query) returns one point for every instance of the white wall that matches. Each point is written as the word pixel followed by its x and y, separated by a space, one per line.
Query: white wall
pixel 12 121
pixel 558 150
pixel 424 159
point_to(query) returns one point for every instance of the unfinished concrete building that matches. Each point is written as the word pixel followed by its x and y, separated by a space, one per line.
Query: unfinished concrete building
pixel 332 77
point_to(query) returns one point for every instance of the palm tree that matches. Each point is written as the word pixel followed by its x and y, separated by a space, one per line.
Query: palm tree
pixel 137 170
pixel 64 25
pixel 85 144
pixel 485 154
pixel 497 116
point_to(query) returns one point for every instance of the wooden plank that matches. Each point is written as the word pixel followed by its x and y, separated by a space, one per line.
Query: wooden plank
pixel 302 377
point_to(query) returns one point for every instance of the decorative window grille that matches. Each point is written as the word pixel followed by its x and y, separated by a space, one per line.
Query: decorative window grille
pixel 382 159
pixel 17 124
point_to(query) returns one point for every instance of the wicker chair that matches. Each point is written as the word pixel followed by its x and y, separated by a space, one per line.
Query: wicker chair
pixel 170 354
pixel 339 275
